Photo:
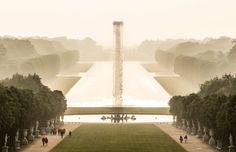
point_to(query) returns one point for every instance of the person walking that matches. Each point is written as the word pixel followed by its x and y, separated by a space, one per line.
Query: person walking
pixel 61 134
pixel 185 138
pixel 43 140
pixel 181 139
pixel 70 133
pixel 46 141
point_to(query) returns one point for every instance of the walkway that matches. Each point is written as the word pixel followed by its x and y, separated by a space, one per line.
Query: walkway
pixel 53 140
pixel 194 144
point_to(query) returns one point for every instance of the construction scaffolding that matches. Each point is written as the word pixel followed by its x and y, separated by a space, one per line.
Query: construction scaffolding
pixel 118 64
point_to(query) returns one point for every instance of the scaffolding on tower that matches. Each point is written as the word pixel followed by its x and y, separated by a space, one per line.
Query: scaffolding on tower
pixel 118 64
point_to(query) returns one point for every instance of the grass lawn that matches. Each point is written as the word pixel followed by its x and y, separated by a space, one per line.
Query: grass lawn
pixel 177 85
pixel 118 138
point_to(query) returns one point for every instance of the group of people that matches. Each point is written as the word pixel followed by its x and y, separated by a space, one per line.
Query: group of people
pixel 61 131
pixel 181 139
pixel 45 141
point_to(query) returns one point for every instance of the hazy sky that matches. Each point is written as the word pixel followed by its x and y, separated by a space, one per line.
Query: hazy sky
pixel 143 19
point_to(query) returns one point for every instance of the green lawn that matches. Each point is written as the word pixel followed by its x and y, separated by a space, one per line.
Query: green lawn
pixel 118 138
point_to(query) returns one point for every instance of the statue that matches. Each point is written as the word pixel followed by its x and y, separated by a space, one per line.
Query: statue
pixel 48 129
pixel 205 136
pixel 211 141
pixel 52 124
pixel 48 123
pixel 24 140
pixel 199 131
pixel 231 140
pixel 174 121
pixel 6 138
pixel 183 124
pixel 36 125
pixel 17 135
pixel 17 142
pixel 36 129
pixel 31 136
pixel 188 129
pixel 231 147
pixel 194 129
pixel 5 147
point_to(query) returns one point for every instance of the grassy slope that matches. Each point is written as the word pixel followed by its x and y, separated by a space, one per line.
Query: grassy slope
pixel 176 85
pixel 64 83
pixel 118 138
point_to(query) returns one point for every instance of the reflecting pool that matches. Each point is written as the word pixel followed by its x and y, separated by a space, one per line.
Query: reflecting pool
pixel 94 89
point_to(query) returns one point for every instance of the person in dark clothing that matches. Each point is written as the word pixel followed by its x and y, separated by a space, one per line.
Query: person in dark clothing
pixel 181 139
pixel 185 138
pixel 61 134
pixel 43 141
pixel 70 133
pixel 46 141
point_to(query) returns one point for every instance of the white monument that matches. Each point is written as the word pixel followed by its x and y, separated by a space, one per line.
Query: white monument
pixel 118 64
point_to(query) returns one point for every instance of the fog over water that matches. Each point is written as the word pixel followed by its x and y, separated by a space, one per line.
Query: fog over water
pixel 95 87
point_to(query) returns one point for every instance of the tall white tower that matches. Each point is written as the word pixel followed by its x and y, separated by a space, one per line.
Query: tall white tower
pixel 118 64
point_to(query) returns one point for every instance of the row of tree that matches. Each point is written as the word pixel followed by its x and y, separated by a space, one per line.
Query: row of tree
pixel 211 111
pixel 25 100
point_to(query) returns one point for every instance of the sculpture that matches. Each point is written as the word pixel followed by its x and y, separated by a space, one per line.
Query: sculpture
pixel 48 129
pixel 231 140
pixel 17 135
pixel 188 129
pixel 183 124
pixel 212 141
pixel 36 129
pixel 194 129
pixel 205 136
pixel 6 138
pixel 199 131
pixel 24 140
pixel 231 147
pixel 36 125
pixel 17 142
pixel 31 136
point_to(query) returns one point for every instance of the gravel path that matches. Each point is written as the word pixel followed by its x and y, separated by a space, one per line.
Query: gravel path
pixel 53 140
pixel 193 144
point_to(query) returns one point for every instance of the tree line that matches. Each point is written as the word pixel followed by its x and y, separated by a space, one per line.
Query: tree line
pixel 210 113
pixel 25 100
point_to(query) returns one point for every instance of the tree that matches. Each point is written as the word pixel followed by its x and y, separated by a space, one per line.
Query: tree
pixel 214 106
pixel 3 51
pixel 9 110
pixel 23 100
pixel 232 54
pixel 176 107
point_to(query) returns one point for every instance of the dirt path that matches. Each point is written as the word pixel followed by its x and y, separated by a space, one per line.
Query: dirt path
pixel 193 144
pixel 53 140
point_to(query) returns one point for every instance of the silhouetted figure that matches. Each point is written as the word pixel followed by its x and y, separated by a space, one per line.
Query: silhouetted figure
pixel 43 140
pixel 185 138
pixel 70 133
pixel 61 132
pixel 46 141
pixel 181 139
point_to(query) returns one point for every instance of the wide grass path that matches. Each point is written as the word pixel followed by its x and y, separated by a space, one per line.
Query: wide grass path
pixel 118 138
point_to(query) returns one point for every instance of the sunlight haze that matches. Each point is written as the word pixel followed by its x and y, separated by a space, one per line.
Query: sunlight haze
pixel 143 19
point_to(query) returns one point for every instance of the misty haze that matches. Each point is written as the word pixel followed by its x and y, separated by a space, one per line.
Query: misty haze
pixel 117 76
